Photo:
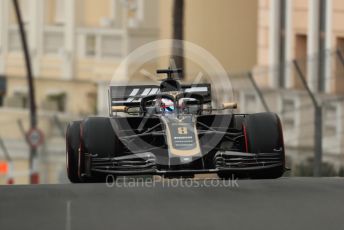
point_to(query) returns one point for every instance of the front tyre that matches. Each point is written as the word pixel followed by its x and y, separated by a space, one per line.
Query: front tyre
pixel 72 149
pixel 263 134
pixel 99 139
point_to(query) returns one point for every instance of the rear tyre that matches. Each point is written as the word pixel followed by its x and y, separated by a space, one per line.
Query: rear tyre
pixel 263 134
pixel 98 138
pixel 72 149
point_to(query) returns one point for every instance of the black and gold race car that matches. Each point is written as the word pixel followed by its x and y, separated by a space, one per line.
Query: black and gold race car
pixel 172 130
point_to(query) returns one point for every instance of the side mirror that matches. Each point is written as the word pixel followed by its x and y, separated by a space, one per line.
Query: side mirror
pixel 119 108
pixel 229 105
pixel 133 110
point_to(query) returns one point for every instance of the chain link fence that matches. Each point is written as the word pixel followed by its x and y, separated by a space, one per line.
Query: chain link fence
pixel 294 91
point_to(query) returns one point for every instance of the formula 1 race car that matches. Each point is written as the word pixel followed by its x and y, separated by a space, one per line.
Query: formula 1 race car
pixel 172 130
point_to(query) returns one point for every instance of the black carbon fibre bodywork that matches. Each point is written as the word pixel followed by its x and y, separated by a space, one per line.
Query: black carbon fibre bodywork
pixel 172 130
pixel 227 155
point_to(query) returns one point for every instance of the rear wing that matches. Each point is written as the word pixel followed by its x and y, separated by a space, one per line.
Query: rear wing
pixel 131 95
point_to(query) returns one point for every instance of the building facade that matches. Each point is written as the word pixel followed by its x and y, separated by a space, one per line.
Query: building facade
pixel 303 36
pixel 300 29
pixel 72 43
pixel 75 47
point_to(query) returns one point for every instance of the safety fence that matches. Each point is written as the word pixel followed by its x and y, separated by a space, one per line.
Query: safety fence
pixel 308 95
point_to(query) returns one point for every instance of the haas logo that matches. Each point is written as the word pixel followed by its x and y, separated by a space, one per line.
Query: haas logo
pixel 182 130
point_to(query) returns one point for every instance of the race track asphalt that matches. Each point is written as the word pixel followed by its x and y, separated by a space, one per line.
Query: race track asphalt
pixel 286 203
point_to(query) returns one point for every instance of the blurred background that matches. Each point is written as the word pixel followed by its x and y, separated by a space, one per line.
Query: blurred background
pixel 284 56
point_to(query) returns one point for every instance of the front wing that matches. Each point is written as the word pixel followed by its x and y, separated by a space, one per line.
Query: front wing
pixel 147 164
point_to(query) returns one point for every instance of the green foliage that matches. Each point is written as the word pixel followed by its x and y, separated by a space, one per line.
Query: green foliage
pixel 306 169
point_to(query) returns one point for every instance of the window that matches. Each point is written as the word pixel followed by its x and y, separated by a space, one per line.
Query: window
pixel 332 127
pixel 288 110
pixel 106 46
pixel 330 120
pixel 56 102
pixel 25 10
pixel 301 58
pixel 53 41
pixel 91 41
pixel 339 67
pixel 59 11
pixel 113 9
pixel 282 40
pixel 14 41
pixel 111 46
pixel 135 12
pixel 301 46
pixel 322 46
pixel 340 44
pixel 20 99
pixel 3 88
